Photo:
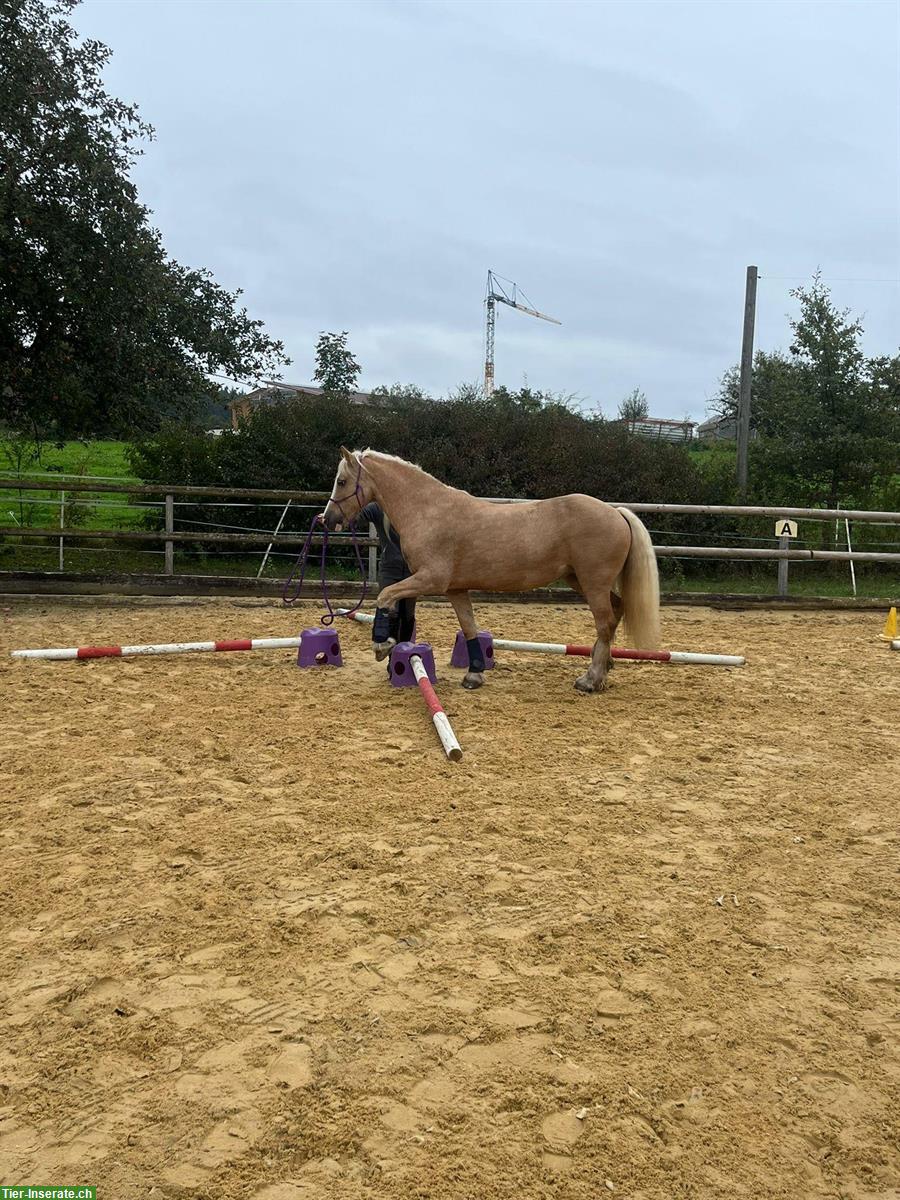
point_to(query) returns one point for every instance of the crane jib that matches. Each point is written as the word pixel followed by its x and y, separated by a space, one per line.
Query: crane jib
pixel 491 299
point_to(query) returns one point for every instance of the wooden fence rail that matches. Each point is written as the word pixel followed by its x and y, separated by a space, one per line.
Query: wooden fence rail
pixel 163 489
pixel 312 497
pixel 163 535
pixel 257 540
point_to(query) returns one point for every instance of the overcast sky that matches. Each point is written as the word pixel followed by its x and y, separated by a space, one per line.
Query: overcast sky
pixel 360 166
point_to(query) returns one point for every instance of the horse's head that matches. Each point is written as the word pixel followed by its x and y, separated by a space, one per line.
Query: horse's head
pixel 351 492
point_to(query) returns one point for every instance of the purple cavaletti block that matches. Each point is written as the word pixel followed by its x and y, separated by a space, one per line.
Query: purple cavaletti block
pixel 399 669
pixel 319 648
pixel 460 656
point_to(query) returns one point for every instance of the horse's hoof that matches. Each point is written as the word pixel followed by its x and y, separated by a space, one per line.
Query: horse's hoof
pixel 383 649
pixel 471 682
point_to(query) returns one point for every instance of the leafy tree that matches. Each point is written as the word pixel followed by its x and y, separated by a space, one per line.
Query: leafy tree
pixel 100 331
pixel 525 398
pixel 777 379
pixel 399 393
pixel 337 371
pixel 634 408
pixel 216 413
pixel 827 419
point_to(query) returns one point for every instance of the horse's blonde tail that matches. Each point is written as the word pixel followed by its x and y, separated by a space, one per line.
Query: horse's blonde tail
pixel 639 587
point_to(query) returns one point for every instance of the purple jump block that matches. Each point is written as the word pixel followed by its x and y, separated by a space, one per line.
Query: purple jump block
pixel 319 648
pixel 460 656
pixel 399 668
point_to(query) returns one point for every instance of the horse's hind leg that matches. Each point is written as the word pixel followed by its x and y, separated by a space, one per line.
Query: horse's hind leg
pixel 618 609
pixel 606 614
pixel 462 604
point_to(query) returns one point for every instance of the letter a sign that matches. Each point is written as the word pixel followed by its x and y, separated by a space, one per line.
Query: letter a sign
pixel 786 529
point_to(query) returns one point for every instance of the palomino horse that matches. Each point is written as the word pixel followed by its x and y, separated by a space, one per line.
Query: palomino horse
pixel 455 543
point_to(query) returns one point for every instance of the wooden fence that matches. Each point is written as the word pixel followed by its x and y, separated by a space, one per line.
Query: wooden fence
pixel 168 537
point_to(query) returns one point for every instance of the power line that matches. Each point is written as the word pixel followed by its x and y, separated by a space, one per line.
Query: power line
pixel 826 279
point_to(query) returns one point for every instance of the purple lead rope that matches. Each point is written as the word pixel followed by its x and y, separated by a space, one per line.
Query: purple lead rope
pixel 302 559
pixel 293 587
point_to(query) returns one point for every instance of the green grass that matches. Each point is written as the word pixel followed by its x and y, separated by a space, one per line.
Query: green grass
pixel 85 460
pixel 102 459
pixel 707 450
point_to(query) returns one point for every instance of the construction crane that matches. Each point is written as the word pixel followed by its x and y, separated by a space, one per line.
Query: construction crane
pixel 496 294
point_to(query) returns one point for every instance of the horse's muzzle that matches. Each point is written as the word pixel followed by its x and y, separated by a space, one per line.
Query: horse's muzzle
pixel 331 518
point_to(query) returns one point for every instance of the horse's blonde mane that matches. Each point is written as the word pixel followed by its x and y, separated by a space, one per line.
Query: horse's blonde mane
pixel 361 454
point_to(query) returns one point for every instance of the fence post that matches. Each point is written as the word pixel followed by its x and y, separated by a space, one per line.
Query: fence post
pixel 62 525
pixel 783 567
pixel 170 528
pixel 373 555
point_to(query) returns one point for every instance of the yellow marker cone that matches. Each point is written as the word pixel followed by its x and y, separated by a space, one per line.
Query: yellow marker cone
pixel 890 626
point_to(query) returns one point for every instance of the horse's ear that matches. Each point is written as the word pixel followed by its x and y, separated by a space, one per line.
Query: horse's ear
pixel 346 455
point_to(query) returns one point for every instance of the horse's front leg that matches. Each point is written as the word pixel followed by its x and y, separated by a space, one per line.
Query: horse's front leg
pixel 421 584
pixel 462 605
pixel 386 609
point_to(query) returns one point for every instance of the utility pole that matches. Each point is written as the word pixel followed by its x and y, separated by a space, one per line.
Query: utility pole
pixel 743 421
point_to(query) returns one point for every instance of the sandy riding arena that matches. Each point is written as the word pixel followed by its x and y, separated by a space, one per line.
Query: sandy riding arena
pixel 260 938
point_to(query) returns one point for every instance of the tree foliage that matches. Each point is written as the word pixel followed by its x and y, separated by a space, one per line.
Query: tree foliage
pixel 634 408
pixel 826 418
pixel 100 331
pixel 505 446
pixel 337 371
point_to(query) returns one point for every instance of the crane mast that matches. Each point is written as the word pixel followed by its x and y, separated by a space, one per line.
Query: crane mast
pixel 502 291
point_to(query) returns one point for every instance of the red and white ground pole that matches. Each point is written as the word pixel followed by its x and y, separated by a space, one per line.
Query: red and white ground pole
pixel 664 656
pixel 160 648
pixel 439 718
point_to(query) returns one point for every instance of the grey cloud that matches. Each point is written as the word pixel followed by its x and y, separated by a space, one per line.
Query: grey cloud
pixel 361 165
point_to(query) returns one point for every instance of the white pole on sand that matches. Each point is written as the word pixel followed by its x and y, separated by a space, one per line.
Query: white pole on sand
pixel 684 657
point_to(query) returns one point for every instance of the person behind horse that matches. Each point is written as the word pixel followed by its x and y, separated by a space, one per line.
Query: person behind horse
pixel 389 627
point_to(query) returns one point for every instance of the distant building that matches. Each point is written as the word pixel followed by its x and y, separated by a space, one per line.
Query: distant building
pixel 718 429
pixel 279 393
pixel 660 429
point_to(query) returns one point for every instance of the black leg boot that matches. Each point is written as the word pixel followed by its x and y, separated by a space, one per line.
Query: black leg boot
pixel 382 634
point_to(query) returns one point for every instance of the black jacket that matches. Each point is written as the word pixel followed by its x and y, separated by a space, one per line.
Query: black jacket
pixel 392 565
